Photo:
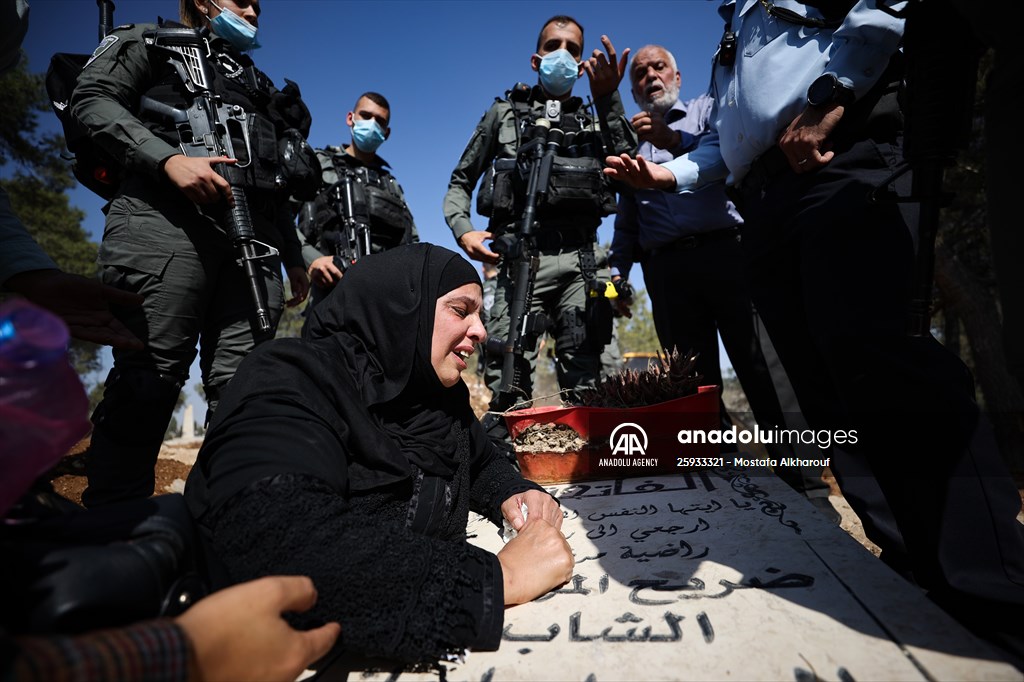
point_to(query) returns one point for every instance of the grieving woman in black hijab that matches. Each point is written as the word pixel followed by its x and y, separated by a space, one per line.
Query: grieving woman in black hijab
pixel 353 456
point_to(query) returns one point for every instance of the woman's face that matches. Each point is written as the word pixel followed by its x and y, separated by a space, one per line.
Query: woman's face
pixel 246 9
pixel 457 330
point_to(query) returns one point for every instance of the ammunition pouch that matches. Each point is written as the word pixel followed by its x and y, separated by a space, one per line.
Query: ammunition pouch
pixel 573 336
pixel 287 105
pixel 390 219
pixel 587 330
pixel 498 191
pixel 378 201
pixel 578 189
pixel 262 169
pixel 315 218
pixel 299 167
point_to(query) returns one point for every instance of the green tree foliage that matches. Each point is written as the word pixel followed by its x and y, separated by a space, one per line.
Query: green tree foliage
pixel 37 186
pixel 637 334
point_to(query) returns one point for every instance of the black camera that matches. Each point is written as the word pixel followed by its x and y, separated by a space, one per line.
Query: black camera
pixel 727 49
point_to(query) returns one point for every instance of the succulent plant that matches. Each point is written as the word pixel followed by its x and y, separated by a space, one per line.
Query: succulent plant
pixel 673 376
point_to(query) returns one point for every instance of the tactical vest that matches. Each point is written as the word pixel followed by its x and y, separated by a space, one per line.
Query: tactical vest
pixel 578 191
pixel 277 128
pixel 378 197
pixel 238 82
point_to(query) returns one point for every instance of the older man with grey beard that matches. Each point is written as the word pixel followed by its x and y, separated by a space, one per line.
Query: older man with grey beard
pixel 688 247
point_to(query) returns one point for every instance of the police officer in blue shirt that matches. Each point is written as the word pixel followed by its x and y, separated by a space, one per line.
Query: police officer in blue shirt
pixel 807 125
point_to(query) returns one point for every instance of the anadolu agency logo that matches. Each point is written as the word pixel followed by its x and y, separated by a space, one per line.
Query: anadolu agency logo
pixel 628 439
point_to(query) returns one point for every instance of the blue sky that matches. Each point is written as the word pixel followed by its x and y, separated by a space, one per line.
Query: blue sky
pixel 440 63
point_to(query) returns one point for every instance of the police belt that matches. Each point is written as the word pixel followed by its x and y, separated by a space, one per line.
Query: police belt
pixel 693 241
pixel 765 168
pixel 563 239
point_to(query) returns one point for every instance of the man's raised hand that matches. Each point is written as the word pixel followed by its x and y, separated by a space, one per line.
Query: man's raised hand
pixel 605 72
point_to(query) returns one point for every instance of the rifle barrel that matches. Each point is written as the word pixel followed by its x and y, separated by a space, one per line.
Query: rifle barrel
pixel 106 8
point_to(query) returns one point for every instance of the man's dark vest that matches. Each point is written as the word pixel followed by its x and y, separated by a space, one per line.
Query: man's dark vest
pixel 379 198
pixel 578 192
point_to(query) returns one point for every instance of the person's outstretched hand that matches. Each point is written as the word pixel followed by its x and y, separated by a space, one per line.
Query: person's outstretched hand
pixel 83 304
pixel 639 173
pixel 238 633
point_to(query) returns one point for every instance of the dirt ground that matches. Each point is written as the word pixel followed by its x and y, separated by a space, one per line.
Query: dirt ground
pixel 171 471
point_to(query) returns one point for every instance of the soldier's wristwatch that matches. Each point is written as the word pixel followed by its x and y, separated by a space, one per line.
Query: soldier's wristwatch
pixel 827 90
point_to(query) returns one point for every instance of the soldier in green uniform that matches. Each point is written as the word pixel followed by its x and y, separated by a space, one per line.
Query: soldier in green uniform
pixel 391 222
pixel 566 235
pixel 165 238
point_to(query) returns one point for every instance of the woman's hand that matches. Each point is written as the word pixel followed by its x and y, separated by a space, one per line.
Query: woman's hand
pixel 539 505
pixel 535 562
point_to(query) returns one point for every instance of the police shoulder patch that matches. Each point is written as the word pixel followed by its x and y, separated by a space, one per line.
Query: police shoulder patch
pixel 104 45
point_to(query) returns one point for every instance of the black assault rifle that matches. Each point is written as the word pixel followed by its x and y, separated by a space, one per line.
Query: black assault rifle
pixel 352 241
pixel 519 248
pixel 207 129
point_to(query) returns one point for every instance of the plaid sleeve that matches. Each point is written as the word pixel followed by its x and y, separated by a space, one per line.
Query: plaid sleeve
pixel 155 651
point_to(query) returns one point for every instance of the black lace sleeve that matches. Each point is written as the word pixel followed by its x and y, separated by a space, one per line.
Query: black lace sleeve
pixel 397 594
pixel 493 479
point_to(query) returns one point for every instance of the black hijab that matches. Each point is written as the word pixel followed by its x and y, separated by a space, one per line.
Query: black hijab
pixel 362 374
pixel 380 318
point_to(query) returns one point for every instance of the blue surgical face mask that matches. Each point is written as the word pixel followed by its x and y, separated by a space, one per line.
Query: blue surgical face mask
pixel 558 72
pixel 234 29
pixel 367 135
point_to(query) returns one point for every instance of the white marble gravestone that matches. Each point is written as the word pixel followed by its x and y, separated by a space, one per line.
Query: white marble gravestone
pixel 188 423
pixel 724 574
